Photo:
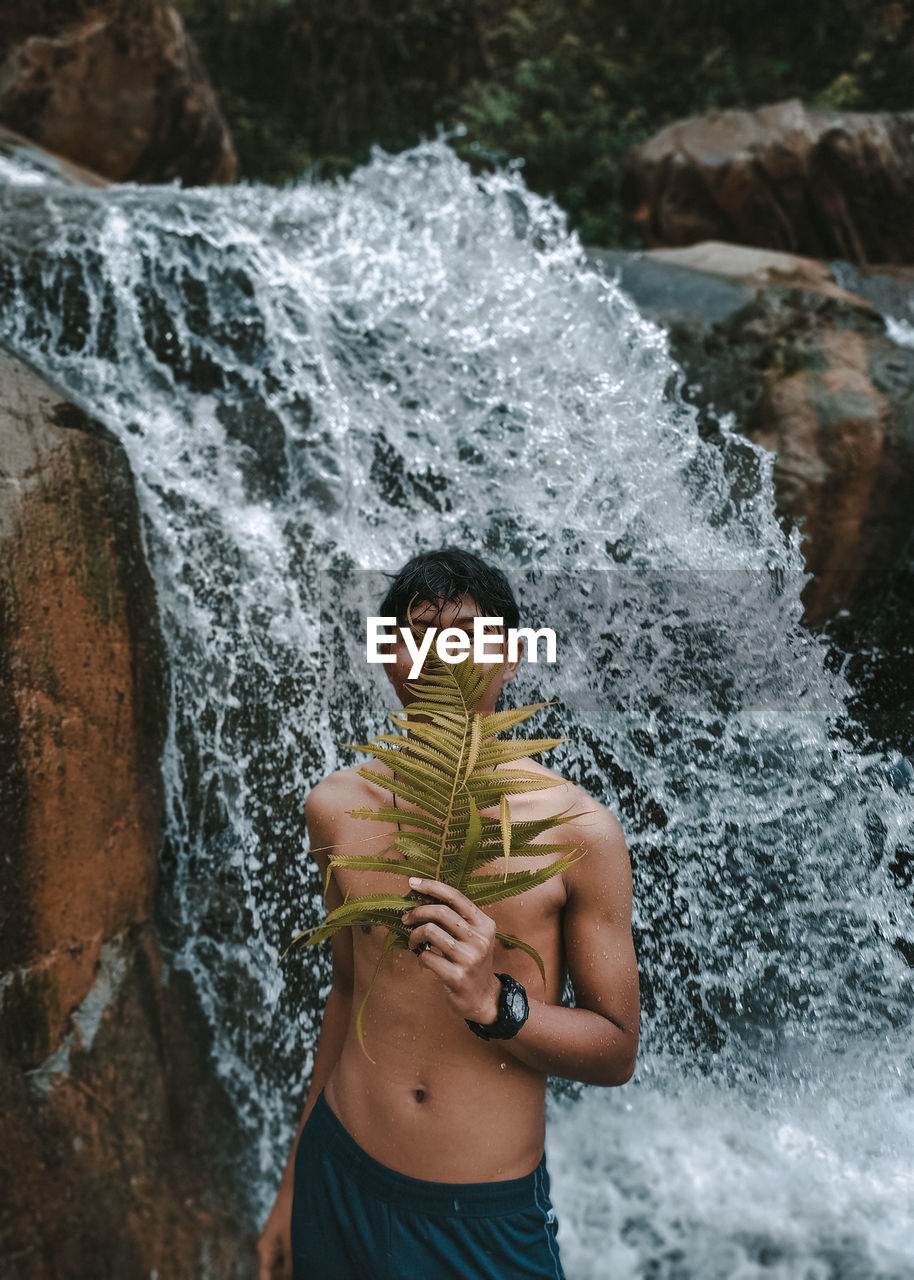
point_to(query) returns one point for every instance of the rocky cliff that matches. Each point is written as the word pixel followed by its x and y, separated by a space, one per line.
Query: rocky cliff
pixel 116 86
pixel 117 1152
pixel 836 184
pixel 808 369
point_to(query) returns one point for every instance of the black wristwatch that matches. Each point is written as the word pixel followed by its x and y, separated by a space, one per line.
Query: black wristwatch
pixel 513 1011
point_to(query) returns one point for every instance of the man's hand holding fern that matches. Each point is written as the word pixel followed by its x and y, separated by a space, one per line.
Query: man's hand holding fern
pixel 460 948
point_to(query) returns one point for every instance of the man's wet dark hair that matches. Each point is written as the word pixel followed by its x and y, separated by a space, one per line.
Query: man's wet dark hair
pixel 446 575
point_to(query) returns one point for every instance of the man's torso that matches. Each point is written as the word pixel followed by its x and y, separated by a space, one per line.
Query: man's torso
pixel 437 1102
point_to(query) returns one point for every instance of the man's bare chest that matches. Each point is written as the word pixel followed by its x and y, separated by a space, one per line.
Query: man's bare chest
pixel 534 916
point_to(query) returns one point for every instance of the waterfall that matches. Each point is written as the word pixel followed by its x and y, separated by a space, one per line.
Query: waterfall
pixel 310 384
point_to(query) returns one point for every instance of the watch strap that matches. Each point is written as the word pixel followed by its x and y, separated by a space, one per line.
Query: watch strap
pixel 507 1022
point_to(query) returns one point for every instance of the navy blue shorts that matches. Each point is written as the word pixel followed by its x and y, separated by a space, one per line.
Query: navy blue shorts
pixel 355 1219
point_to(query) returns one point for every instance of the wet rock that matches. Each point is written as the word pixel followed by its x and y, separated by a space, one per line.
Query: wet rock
pixel 832 184
pixel 40 163
pixel 845 449
pixel 116 87
pixel 117 1157
pixel 808 370
pixel 888 288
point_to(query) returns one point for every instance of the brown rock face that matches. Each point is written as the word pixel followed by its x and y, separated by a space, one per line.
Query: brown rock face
pixel 808 370
pixel 841 468
pixel 817 380
pixel 84 688
pixel 115 86
pixel 41 161
pixel 115 1134
pixel 831 184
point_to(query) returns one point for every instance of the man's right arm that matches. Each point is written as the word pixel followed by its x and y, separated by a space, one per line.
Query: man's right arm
pixel 273 1247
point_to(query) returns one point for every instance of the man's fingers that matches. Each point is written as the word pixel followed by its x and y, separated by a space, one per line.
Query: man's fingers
pixel 441 914
pixel 443 967
pixel 447 893
pixel 435 936
pixel 272 1266
pixel 274 1256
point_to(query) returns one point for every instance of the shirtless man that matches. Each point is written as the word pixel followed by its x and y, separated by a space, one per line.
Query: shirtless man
pixel 376 1181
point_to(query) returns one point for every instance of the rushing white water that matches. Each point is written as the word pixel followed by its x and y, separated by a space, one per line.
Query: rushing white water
pixel 310 384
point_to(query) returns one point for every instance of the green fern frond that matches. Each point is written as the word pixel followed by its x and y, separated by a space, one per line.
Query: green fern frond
pixel 379 908
pixel 387 813
pixel 504 818
pixel 529 828
pixel 449 762
pixel 484 890
pixel 492 853
pixel 411 794
pixel 500 721
pixel 500 751
pixel 510 941
pixel 393 866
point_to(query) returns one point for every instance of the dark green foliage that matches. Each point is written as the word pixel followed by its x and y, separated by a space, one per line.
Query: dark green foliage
pixel 567 85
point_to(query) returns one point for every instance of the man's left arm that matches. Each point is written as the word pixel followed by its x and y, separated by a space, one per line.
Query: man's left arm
pixel 595 1042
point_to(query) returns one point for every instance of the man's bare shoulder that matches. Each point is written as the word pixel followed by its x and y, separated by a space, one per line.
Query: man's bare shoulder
pixel 594 823
pixel 590 823
pixel 605 865
pixel 600 880
pixel 333 790
pixel 327 805
pixel 567 797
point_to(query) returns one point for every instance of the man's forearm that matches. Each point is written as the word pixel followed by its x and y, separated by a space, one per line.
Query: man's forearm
pixel 577 1044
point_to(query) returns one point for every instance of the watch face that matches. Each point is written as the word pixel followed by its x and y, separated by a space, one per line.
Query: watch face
pixel 514 1003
